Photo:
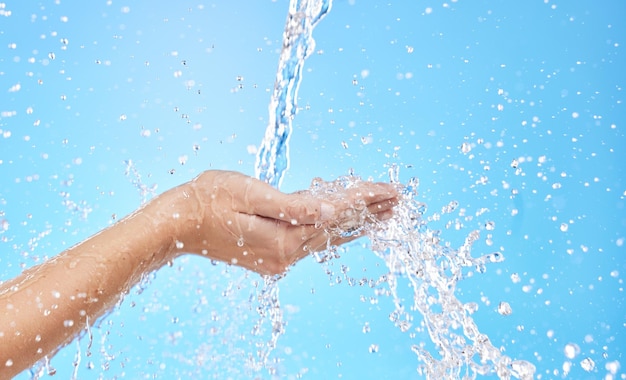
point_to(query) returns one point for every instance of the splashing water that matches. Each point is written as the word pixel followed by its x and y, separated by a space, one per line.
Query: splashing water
pixel 412 251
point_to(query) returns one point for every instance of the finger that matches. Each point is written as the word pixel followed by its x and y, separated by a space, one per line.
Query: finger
pixel 385 205
pixel 296 209
pixel 309 239
pixel 304 208
pixel 320 243
pixel 374 196
pixel 257 197
pixel 372 192
pixel 318 239
pixel 384 215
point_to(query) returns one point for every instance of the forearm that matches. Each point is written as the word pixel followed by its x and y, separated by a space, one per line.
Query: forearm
pixel 48 305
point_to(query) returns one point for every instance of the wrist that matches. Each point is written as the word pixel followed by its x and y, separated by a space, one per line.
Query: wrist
pixel 173 216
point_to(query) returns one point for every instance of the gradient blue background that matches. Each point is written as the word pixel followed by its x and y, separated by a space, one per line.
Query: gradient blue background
pixel 404 82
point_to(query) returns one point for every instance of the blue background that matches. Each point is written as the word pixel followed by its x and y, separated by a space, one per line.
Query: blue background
pixel 534 87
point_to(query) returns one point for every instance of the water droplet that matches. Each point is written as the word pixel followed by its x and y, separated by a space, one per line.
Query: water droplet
pixel 571 350
pixel 51 55
pixel 614 273
pixel 588 364
pixel 466 147
pixel 523 369
pixel 366 328
pixel 49 369
pixel 564 227
pixel 394 173
pixel 450 207
pixel 490 225
pixel 504 308
pixel 240 242
pixel 373 348
pixel 495 257
pixel 612 366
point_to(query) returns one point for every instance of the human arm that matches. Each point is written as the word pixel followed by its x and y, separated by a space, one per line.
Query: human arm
pixel 221 215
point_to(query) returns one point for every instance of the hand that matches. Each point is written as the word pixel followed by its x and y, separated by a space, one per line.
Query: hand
pixel 240 220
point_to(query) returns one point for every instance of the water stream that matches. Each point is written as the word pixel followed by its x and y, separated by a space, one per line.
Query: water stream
pixel 298 44
pixel 273 156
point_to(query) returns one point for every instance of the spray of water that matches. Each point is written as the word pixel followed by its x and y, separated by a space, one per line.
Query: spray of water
pixel 414 252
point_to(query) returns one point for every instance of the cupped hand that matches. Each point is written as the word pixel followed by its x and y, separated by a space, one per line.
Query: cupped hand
pixel 237 219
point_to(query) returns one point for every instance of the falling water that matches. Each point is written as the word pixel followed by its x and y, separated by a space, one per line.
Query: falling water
pixel 273 156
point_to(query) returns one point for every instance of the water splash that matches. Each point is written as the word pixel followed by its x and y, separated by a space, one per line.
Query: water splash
pixel 413 251
pixel 144 190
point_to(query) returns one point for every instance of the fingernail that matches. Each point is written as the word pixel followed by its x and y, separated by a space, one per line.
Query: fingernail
pixel 328 211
